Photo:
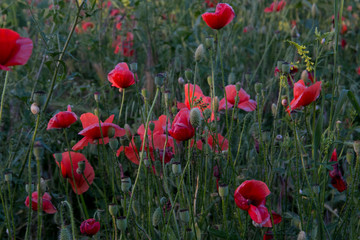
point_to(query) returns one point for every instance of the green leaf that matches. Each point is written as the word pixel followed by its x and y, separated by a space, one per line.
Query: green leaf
pixel 354 101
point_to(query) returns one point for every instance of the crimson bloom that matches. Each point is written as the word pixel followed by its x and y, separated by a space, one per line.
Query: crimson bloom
pixel 62 119
pixel 80 185
pixel 358 70
pixel 47 207
pixel 245 103
pixel 223 15
pixel 303 95
pixel 275 6
pixel 91 131
pixel 337 180
pixel 89 227
pixel 250 196
pixel 216 142
pixel 196 98
pixel 121 76
pixel 181 128
pixel 14 50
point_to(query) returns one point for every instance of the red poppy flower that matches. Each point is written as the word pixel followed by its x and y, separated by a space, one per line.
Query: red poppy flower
pixel 62 119
pixel 358 70
pixel 216 142
pixel 91 131
pixel 47 207
pixel 181 128
pixel 245 103
pixel 337 180
pixel 196 98
pixel 121 76
pixel 223 15
pixel 303 95
pixel 14 50
pixel 87 25
pixel 268 235
pixel 89 227
pixel 124 46
pixel 275 6
pixel 250 196
pixel 276 217
pixel 81 184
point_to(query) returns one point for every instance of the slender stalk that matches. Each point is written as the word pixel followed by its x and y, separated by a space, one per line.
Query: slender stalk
pixel 3 94
pixel 122 104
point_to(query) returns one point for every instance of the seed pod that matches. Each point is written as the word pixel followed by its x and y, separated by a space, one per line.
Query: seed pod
pixel 285 67
pixel 64 233
pixel 188 74
pixel 114 144
pixel 195 117
pixel 34 108
pixel 113 209
pixel 176 168
pixel 39 98
pixel 199 53
pixel 121 223
pixel 125 184
pixel 156 217
pixel 134 67
pixel 184 215
pixel 223 190
pixel 159 79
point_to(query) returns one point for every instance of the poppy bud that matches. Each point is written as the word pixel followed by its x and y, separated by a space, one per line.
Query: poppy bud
pixel 174 110
pixel 258 88
pixel 209 80
pixel 301 235
pixel 184 215
pixel 156 217
pixel 181 81
pixel 97 96
pixel 209 42
pixel 113 209
pixel 163 201
pixel 304 75
pixel 176 168
pixel 215 104
pixel 125 184
pixel 114 144
pixel 285 67
pixel 223 190
pixel 81 167
pixel 199 53
pixel 152 126
pixel 43 185
pixel 121 223
pixel 8 176
pixel 273 109
pixel 284 101
pixel 144 93
pixel 357 147
pixel 29 187
pixel 38 150
pixel 134 67
pixel 349 156
pixel 111 132
pixel 58 157
pixel 34 108
pixel 279 65
pixel 136 207
pixel 207 114
pixel 188 74
pixel 39 98
pixel 313 10
pixel 64 233
pixel 159 79
pixel 238 87
pixel 195 117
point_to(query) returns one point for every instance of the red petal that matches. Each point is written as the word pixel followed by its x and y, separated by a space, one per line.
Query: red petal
pixel 88 119
pixel 254 190
pixel 8 40
pixel 21 53
pixel 109 119
pixel 259 214
pixel 248 106
pixel 48 207
pixel 223 15
pixel 82 143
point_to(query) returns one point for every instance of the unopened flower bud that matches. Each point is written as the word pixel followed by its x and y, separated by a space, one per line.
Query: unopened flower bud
pixel 38 150
pixel 273 109
pixel 121 223
pixel 159 79
pixel 156 217
pixel 209 42
pixel 215 104
pixel 195 117
pixel 114 144
pixel 176 168
pixel 125 184
pixel 81 167
pixel 357 147
pixel 34 108
pixel 39 98
pixel 144 93
pixel 284 101
pixel 113 209
pixel 181 81
pixel 209 81
pixel 188 74
pixel 97 96
pixel 223 190
pixel 301 235
pixel 349 156
pixel 258 88
pixel 151 126
pixel 285 67
pixel 199 53
pixel 184 215
pixel 64 233
pixel 304 76
pixel 134 67
pixel 111 132
pixel 8 176
pixel 313 10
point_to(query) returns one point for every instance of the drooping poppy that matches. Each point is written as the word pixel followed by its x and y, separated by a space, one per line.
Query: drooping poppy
pixel 244 103
pixel 337 180
pixel 80 185
pixel 222 16
pixel 250 196
pixel 121 76
pixel 275 6
pixel 62 119
pixel 92 133
pixel 181 128
pixel 303 95
pixel 90 227
pixel 14 50
pixel 47 205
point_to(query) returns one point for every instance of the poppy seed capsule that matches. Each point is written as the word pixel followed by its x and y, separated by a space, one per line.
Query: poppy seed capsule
pixel 114 144
pixel 188 74
pixel 125 184
pixel 176 168
pixel 258 88
pixel 159 79
pixel 199 53
pixel 121 223
pixel 81 167
pixel 43 185
pixel 184 215
pixel 285 67
pixel 223 190
pixel 8 176
pixel 134 67
pixel 39 98
pixel 195 117
pixel 34 108
pixel 156 217
pixel 113 209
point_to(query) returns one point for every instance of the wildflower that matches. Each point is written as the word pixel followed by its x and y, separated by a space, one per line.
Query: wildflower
pixel 124 46
pixel 47 206
pixel 244 102
pixel 79 184
pixel 358 70
pixel 91 131
pixel 337 180
pixel 87 25
pixel 304 55
pixel 303 95
pixel 210 3
pixel 181 128
pixel 62 119
pixel 216 142
pixel 275 6
pixel 223 15
pixel 14 50
pixel 121 76
pixel 89 227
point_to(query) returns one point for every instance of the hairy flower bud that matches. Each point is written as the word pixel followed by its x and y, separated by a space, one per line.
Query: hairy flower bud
pixel 199 53
pixel 64 233
pixel 34 108
pixel 215 104
pixel 156 217
pixel 81 167
pixel 195 117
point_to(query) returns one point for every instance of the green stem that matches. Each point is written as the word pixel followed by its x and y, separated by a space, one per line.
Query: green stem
pixel 3 94
pixel 122 104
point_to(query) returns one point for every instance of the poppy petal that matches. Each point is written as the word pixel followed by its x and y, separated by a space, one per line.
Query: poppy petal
pixel 254 190
pixel 88 119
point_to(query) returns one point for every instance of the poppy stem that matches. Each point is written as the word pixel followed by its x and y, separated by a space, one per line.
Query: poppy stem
pixel 3 94
pixel 122 104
